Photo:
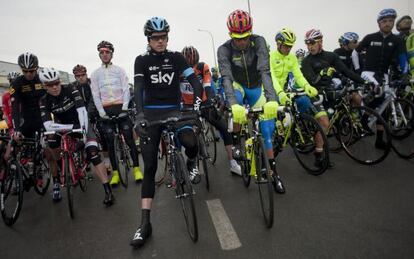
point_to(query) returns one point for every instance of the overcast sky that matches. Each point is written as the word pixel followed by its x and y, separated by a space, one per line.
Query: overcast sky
pixel 63 33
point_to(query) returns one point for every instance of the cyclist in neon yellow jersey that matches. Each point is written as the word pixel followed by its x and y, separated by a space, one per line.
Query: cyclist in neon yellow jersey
pixel 282 62
pixel 403 25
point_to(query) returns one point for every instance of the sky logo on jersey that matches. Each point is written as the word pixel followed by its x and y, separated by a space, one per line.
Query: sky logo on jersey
pixel 160 78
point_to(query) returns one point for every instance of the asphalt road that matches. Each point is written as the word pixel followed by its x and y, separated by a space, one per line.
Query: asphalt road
pixel 351 211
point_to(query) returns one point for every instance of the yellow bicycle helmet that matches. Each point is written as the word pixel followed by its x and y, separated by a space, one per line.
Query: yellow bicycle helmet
pixel 286 36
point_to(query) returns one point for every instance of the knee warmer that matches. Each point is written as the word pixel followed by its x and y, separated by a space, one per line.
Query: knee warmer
pixel 92 154
pixel 267 128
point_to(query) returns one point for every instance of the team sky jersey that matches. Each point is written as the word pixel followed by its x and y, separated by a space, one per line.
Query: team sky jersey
pixel 382 51
pixel 313 64
pixel 63 107
pixel 25 96
pixel 280 66
pixel 157 80
pixel 250 68
pixel 202 73
pixel 109 85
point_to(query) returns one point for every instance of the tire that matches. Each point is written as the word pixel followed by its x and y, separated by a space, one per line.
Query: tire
pixel 184 191
pixel 334 141
pixel 120 159
pixel 41 175
pixel 67 171
pixel 162 167
pixel 11 203
pixel 402 130
pixel 264 182
pixel 359 143
pixel 211 144
pixel 245 165
pixel 81 171
pixel 203 156
pixel 303 142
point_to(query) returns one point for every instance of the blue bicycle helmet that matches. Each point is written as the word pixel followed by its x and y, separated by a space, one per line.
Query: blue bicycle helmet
pixel 387 13
pixel 348 37
pixel 156 24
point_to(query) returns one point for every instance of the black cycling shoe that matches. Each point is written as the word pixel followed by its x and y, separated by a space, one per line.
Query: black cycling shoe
pixel 109 199
pixel 141 235
pixel 278 184
pixel 319 160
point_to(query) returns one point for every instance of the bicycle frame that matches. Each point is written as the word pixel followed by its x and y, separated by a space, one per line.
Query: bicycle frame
pixel 68 148
pixel 390 97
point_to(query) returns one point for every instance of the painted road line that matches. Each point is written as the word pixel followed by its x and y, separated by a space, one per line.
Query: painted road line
pixel 225 232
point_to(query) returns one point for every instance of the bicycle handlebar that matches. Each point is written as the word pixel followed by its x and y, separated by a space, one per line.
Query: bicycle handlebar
pixel 170 120
pixel 64 132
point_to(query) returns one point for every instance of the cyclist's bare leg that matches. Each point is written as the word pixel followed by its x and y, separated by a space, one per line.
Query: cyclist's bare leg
pixel 356 99
pixel 146 203
pixel 324 122
pixel 52 156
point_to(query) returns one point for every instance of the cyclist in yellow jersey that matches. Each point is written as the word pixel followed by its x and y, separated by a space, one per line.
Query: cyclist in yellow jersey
pixel 282 62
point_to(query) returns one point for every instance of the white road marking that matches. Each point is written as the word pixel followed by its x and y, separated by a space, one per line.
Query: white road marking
pixel 225 232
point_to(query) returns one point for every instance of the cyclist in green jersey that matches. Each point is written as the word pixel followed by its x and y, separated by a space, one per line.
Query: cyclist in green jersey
pixel 282 62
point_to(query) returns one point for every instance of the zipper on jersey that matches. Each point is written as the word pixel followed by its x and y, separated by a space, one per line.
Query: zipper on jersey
pixel 245 68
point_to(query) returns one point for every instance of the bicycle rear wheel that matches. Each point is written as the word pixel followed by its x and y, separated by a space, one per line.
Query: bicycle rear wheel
pixel 305 131
pixel 402 126
pixel 264 182
pixel 121 157
pixel 11 192
pixel 41 175
pixel 211 143
pixel 67 172
pixel 185 192
pixel 359 143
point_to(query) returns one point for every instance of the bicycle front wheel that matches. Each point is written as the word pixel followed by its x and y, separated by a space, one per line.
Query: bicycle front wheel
pixel 162 167
pixel 67 172
pixel 364 124
pixel 41 175
pixel 121 158
pixel 402 125
pixel 306 135
pixel 11 192
pixel 264 182
pixel 185 193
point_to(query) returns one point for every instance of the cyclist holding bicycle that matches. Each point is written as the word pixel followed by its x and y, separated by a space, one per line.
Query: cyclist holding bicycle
pixel 25 93
pixel 68 109
pixel 157 97
pixel 382 49
pixel 282 62
pixel 110 91
pixel 83 84
pixel 202 72
pixel 244 65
